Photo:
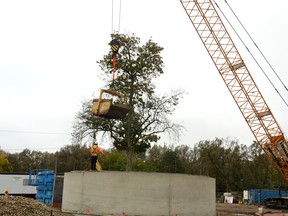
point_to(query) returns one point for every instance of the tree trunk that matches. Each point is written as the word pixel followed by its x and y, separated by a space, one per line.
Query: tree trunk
pixel 129 159
pixel 129 150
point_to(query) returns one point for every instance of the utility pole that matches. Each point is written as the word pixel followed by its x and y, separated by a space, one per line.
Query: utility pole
pixel 55 175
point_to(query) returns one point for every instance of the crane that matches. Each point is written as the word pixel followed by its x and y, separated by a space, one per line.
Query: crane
pixel 235 74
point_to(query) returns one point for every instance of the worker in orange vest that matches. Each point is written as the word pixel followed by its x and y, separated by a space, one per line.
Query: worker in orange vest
pixel 95 150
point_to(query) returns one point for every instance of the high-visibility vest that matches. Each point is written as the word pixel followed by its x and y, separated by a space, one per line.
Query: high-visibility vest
pixel 94 150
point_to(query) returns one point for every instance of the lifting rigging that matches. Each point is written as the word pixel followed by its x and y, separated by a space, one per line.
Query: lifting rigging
pixel 239 81
pixel 106 108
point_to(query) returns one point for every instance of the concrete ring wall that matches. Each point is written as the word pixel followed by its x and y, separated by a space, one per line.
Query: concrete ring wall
pixel 138 193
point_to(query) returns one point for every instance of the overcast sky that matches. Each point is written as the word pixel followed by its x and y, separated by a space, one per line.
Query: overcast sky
pixel 49 49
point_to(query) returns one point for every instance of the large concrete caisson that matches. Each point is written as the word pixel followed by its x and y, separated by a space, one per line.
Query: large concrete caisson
pixel 138 193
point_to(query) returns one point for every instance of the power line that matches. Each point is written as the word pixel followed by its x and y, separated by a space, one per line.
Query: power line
pixel 21 149
pixel 35 132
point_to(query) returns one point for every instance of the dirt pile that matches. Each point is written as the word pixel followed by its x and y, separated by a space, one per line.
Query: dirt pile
pixel 22 206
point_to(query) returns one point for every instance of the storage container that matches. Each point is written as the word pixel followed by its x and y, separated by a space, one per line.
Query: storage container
pixel 258 196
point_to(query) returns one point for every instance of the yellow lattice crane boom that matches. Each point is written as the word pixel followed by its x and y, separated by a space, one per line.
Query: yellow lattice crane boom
pixel 239 81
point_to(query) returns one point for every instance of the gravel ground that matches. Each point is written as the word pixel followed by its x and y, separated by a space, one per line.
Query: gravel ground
pixel 22 206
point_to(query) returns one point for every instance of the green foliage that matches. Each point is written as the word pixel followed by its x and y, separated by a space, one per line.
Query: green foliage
pixel 171 163
pixel 154 157
pixel 114 161
pixel 262 172
pixel 141 166
pixel 188 158
pixel 5 165
pixel 28 160
pixel 137 66
pixel 165 159
pixel 221 158
pixel 72 157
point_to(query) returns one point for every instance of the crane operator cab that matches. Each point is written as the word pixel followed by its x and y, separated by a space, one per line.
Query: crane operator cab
pixel 104 107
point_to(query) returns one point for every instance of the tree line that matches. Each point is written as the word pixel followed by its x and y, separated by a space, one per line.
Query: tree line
pixel 235 166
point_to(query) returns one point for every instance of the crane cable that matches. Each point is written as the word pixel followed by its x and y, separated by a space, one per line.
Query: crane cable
pixel 257 46
pixel 251 54
pixel 114 43
pixel 119 18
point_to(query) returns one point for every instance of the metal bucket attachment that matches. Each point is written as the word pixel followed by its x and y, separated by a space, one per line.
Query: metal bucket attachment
pixel 109 110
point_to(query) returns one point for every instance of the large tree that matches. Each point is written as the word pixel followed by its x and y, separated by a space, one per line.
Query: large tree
pixel 137 67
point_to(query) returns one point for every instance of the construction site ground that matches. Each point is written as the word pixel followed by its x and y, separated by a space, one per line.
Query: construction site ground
pixel 22 206
pixel 224 209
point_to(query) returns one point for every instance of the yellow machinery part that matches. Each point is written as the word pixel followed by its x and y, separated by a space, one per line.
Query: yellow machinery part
pixel 107 109
pixel 98 166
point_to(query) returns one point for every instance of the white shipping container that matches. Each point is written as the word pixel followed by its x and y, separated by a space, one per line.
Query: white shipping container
pixel 17 184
